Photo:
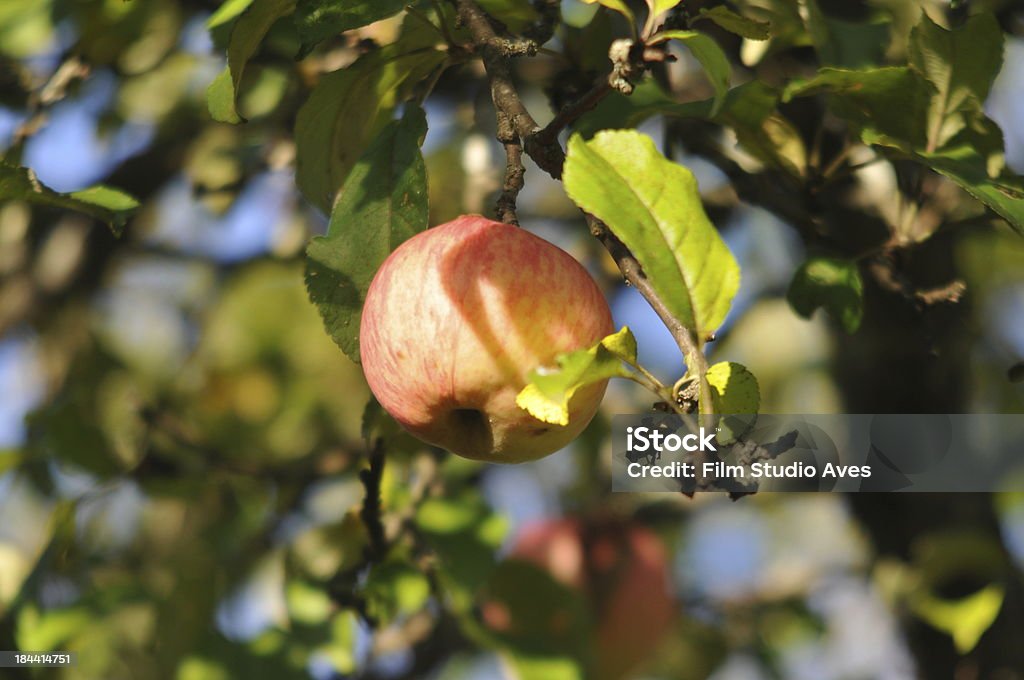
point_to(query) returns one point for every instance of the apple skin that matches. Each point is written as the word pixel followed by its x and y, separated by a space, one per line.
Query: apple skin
pixel 622 569
pixel 454 321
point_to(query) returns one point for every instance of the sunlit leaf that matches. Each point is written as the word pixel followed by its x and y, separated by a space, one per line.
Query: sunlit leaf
pixel 618 5
pixel 550 389
pixel 9 460
pixel 465 533
pixel 654 207
pixel 967 619
pixel 307 603
pixel 220 99
pixel 394 589
pixel 228 10
pixel 660 6
pixel 734 388
pixel 102 202
pixel 26 27
pixel 248 32
pixel 50 629
pixel 962 65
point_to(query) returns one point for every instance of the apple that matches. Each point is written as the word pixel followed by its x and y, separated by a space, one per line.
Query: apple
pixel 622 571
pixel 454 321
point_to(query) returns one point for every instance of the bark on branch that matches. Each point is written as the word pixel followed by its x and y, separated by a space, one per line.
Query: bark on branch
pixel 518 131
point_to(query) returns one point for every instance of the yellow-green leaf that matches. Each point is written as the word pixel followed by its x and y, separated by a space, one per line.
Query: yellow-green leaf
pixel 967 619
pixel 102 202
pixel 618 5
pixel 546 397
pixel 831 283
pixel 734 388
pixel 654 207
pixel 660 6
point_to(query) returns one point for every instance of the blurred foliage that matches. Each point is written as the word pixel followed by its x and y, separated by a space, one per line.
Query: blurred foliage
pixel 200 489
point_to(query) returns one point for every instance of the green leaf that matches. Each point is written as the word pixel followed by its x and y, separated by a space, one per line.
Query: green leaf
pixel 736 24
pixel 50 629
pixel 844 43
pixel 736 398
pixel 549 389
pixel 9 460
pixel 967 619
pixel 711 57
pixel 101 202
pixel 246 35
pixel 830 283
pixel 107 198
pixel 541 667
pixel 967 167
pixel 465 534
pixel 347 109
pixel 228 10
pixel 962 65
pixel 618 5
pixel 307 604
pixel 654 207
pixel 935 119
pixel 318 20
pixel 884 103
pixel 661 6
pixel 394 589
pixel 734 389
pixel 220 99
pixel 749 109
pixel 383 203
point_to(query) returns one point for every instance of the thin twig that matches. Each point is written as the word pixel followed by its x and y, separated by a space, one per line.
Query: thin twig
pixel 370 512
pixel 543 147
pixel 634 274
pixel 572 111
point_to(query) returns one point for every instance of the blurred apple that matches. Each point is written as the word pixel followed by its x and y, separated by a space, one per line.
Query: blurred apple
pixel 622 571
pixel 454 321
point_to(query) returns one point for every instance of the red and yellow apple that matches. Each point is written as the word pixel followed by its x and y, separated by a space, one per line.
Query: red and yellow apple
pixel 454 321
pixel 622 572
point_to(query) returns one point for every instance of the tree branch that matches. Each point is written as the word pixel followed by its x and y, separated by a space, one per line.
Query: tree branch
pixel 543 147
pixel 370 512
pixel 571 112
pixel 634 275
